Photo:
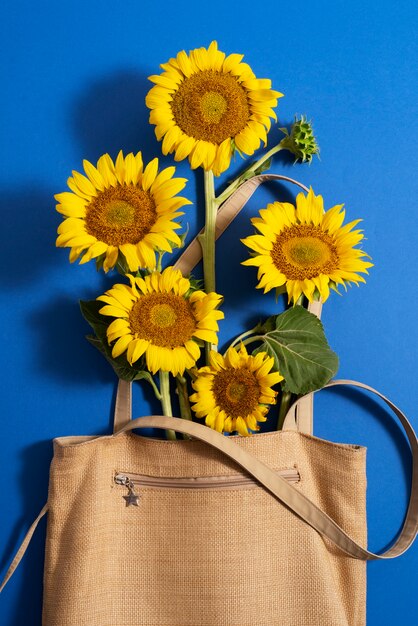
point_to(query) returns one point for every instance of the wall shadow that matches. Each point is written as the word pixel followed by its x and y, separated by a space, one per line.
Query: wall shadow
pixel 231 252
pixel 111 115
pixel 391 425
pixel 28 232
pixel 33 487
pixel 62 352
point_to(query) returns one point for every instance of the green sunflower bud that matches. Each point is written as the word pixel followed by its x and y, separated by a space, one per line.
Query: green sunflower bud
pixel 301 140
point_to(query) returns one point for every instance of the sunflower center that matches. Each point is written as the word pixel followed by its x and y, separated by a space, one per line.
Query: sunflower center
pixel 164 319
pixel 163 315
pixel 236 391
pixel 211 106
pixel 304 251
pixel 122 214
pixel 308 251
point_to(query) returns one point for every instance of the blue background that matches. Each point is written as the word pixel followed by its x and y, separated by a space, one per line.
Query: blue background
pixel 73 87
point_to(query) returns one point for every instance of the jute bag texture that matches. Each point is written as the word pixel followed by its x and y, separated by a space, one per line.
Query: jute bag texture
pixel 268 530
pixel 212 556
pixel 214 553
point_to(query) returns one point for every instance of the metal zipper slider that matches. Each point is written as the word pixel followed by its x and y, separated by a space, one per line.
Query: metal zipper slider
pixel 132 497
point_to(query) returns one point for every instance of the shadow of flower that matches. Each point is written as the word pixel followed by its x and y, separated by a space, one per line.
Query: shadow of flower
pixel 28 232
pixel 111 115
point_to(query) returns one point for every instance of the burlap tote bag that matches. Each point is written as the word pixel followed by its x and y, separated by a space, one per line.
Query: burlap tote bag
pixel 268 530
pixel 259 531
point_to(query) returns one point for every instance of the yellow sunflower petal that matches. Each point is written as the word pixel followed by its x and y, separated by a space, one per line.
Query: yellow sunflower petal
pixel 159 318
pixel 149 174
pixel 304 248
pixel 94 175
pixel 231 388
pixel 227 103
pixel 121 345
pixel 112 254
pixel 120 209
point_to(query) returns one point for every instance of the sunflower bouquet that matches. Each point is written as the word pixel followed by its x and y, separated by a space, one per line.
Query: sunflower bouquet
pixel 159 324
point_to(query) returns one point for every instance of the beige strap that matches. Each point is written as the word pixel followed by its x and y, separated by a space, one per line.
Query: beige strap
pixel 189 259
pixel 287 493
pixel 302 411
pixel 21 551
pixel 123 405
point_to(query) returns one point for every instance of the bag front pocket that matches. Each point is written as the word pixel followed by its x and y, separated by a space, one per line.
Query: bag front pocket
pixel 133 482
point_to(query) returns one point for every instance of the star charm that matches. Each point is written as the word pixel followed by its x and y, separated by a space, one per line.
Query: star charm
pixel 131 498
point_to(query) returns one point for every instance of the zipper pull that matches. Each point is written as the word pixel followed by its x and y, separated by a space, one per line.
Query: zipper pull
pixel 132 497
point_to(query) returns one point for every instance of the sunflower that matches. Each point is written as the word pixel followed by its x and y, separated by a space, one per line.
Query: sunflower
pixel 120 208
pixel 304 250
pixel 206 104
pixel 159 316
pixel 232 392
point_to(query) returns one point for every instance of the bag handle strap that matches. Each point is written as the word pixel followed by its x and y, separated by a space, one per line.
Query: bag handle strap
pixel 189 259
pixel 284 491
pixel 287 493
pixel 22 548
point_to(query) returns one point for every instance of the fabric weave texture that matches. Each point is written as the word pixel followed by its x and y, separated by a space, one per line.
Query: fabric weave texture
pixel 201 557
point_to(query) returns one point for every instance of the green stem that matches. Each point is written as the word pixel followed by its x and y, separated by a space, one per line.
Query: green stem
pixel 284 407
pixel 166 400
pixel 301 300
pixel 207 241
pixel 242 336
pixel 248 174
pixel 266 156
pixel 151 381
pixel 160 261
pixel 184 402
pixel 228 191
pixel 286 399
pixel 253 339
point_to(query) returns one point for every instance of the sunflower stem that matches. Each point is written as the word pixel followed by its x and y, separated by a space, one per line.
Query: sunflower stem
pixel 242 336
pixel 160 260
pixel 207 241
pixel 153 385
pixel 252 339
pixel 266 156
pixel 284 407
pixel 184 402
pixel 249 173
pixel 166 400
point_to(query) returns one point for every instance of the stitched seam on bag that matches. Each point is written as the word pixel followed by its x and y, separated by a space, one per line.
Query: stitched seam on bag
pixel 354 447
pixel 342 446
pixel 254 482
pixel 212 476
pixel 214 489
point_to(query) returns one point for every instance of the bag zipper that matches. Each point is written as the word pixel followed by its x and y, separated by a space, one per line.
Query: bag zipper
pixel 130 480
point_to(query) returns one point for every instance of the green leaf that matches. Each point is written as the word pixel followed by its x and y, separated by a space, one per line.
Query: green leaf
pixel 90 311
pixel 300 351
pixel 99 262
pixel 268 325
pixel 99 323
pixel 122 266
